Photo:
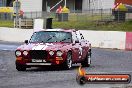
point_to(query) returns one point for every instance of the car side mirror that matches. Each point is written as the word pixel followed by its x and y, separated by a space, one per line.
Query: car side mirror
pixel 77 41
pixel 26 41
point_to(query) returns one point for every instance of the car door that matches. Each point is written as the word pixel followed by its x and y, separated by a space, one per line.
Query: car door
pixel 83 47
pixel 75 48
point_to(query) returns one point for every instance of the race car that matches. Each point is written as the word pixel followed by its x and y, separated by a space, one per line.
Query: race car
pixel 53 47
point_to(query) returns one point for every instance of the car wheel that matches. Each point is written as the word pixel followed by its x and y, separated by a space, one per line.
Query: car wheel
pixel 87 61
pixel 20 67
pixel 68 62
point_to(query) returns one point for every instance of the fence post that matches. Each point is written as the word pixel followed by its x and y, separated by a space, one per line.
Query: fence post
pixel 36 14
pixel 31 14
pixel 101 13
pixel 118 16
pixel 92 14
pixel 111 14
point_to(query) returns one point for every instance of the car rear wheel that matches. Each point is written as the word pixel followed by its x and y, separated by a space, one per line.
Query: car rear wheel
pixel 87 61
pixel 68 62
pixel 20 67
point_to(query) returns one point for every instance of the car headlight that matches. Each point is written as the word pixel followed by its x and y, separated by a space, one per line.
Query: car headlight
pixel 59 53
pixel 51 53
pixel 18 53
pixel 25 53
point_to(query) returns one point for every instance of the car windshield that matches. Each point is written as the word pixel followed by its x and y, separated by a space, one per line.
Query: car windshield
pixel 48 37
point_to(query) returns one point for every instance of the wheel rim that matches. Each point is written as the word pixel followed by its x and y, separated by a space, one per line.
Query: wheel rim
pixel 69 61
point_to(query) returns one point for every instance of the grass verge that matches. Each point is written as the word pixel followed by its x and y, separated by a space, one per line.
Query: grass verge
pixel 84 25
pixel 6 23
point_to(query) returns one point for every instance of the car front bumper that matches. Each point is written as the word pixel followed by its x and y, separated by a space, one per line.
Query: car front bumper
pixel 37 64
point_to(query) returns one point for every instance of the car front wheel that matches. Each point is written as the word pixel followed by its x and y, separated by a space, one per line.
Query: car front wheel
pixel 68 62
pixel 20 67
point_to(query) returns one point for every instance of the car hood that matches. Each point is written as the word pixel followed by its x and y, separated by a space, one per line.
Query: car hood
pixel 43 46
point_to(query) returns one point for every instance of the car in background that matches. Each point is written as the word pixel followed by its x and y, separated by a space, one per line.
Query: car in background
pixel 53 47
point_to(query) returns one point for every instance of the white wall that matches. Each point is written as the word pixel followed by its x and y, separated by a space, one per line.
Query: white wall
pixel 105 39
pixel 98 4
pixel 102 39
pixel 31 5
pixel 85 5
pixel 36 5
pixel 15 35
pixel 106 4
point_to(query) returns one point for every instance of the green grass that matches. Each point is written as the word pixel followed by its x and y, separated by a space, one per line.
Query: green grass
pixel 73 25
pixel 88 25
pixel 5 23
pixel 84 25
pixel 88 22
pixel 114 26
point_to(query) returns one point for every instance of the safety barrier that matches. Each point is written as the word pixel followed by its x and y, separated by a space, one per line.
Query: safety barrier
pixel 128 41
pixel 105 39
pixel 101 39
pixel 15 35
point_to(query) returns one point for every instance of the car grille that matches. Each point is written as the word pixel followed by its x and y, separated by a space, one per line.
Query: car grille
pixel 38 54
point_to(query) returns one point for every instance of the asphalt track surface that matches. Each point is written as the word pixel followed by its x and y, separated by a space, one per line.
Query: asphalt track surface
pixel 104 61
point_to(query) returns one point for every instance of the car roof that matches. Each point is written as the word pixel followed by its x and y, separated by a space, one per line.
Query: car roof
pixel 63 30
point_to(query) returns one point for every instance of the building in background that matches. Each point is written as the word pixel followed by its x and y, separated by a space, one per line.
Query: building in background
pixel 2 3
pixel 44 5
pixel 73 5
pixel 6 3
pixel 97 4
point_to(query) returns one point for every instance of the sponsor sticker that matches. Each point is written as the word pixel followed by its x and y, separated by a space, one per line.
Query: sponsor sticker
pixel 83 78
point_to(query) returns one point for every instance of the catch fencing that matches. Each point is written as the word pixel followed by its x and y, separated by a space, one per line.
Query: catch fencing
pixel 87 15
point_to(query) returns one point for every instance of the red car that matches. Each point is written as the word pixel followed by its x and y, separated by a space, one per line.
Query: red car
pixel 53 47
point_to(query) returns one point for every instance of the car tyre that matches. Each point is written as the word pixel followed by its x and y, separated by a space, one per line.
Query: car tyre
pixel 87 61
pixel 68 62
pixel 20 67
